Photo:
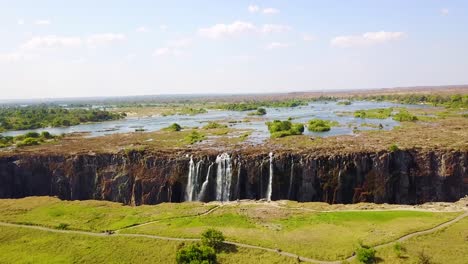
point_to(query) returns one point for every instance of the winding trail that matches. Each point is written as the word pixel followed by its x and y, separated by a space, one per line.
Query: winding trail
pixel 283 253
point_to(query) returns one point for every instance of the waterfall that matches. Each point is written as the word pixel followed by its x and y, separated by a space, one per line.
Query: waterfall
pixel 291 178
pixel 238 180
pixel 223 177
pixel 270 178
pixel 205 184
pixel 189 188
pixel 192 182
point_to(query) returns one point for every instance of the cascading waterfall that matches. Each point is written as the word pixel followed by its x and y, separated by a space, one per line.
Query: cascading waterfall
pixel 189 188
pixel 291 178
pixel 205 184
pixel 192 182
pixel 223 177
pixel 270 178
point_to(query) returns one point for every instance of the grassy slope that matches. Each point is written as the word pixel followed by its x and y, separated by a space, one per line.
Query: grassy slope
pixel 449 245
pixel 321 235
pixel 20 245
pixel 90 215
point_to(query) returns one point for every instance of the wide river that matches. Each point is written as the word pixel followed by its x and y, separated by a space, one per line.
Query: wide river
pixel 321 110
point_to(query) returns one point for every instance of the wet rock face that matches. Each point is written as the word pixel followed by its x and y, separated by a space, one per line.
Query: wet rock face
pixel 406 177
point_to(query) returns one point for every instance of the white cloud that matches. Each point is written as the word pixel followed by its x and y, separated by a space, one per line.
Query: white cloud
pixel 270 11
pixel 42 22
pixel 175 47
pixel 253 8
pixel 444 11
pixel 20 22
pixel 221 30
pixel 13 57
pixel 274 28
pixel 142 29
pixel 51 42
pixel 308 37
pixel 104 39
pixel 163 27
pixel 366 39
pixel 240 27
pixel 277 45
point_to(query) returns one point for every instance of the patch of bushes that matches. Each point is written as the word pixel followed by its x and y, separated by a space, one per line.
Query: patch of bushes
pixel 28 139
pixel 379 113
pixel 423 258
pixel 28 142
pixel 404 115
pixel 280 129
pixel 194 137
pixel 62 226
pixel 345 102
pixel 366 254
pixel 260 112
pixel 214 125
pixel 319 125
pixel 174 127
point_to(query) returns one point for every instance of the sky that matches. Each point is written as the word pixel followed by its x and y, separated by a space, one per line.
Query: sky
pixel 81 48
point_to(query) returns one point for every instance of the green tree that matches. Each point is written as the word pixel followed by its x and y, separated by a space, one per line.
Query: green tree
pixel 196 254
pixel 213 238
pixel 365 254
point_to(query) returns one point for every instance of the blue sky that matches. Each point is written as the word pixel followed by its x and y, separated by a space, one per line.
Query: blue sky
pixel 108 48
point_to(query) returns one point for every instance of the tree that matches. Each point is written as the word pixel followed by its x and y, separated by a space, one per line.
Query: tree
pixel 196 254
pixel 213 238
pixel 365 254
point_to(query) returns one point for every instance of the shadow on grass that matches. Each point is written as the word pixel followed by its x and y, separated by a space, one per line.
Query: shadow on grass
pixel 228 248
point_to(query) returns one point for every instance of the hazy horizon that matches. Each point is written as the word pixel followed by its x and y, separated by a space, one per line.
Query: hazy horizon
pixel 52 49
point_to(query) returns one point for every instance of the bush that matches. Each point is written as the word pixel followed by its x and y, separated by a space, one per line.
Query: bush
pixel 365 254
pixel 27 142
pixel 399 249
pixel 194 137
pixel 62 226
pixel 319 125
pixel 260 111
pixel 213 238
pixel 174 127
pixel 423 258
pixel 404 115
pixel 279 128
pixel 196 253
pixel 379 113
pixel 393 148
pixel 214 125
pixel 32 135
pixel 46 135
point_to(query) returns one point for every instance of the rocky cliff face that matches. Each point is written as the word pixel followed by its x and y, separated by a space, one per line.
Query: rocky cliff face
pixel 406 177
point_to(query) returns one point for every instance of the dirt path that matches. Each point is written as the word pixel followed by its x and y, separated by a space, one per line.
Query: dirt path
pixel 283 253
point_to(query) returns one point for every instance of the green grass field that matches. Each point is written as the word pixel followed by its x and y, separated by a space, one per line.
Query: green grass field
pixel 319 235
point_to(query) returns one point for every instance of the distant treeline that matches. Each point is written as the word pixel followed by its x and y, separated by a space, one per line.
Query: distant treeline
pixel 32 117
pixel 254 105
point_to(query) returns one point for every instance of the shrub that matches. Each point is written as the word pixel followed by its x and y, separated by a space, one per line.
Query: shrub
pixel 62 226
pixel 196 253
pixel 399 249
pixel 46 135
pixel 214 125
pixel 260 111
pixel 27 142
pixel 213 238
pixel 174 127
pixel 423 258
pixel 319 125
pixel 404 115
pixel 194 137
pixel 393 148
pixel 279 128
pixel 32 135
pixel 379 113
pixel 365 254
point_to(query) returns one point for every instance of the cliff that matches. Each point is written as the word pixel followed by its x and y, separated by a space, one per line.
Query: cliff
pixel 406 177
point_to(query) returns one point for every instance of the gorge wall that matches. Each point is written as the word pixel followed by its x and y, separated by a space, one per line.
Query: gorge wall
pixel 406 177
